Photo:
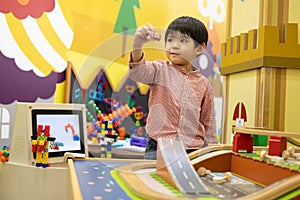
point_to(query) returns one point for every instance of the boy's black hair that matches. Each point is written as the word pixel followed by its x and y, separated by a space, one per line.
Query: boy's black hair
pixel 191 27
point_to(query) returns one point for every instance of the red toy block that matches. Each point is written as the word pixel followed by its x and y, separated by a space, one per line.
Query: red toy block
pixel 33 148
pixel 277 145
pixel 47 131
pixel 40 148
pixel 242 142
pixel 39 130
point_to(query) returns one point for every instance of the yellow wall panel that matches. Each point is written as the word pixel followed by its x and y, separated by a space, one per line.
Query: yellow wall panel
pixel 245 16
pixel 294 16
pixel 242 88
pixel 292 100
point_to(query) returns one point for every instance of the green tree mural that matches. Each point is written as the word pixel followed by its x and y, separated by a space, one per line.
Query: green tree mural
pixel 126 22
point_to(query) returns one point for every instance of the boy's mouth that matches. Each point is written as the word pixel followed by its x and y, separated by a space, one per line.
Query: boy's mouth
pixel 174 53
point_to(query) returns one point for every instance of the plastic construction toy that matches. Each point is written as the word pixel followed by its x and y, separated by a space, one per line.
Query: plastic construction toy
pixel 153 35
pixel 106 148
pixel 138 141
pixel 4 154
pixel 40 146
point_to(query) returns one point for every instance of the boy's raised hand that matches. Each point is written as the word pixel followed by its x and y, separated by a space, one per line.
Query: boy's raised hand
pixel 143 34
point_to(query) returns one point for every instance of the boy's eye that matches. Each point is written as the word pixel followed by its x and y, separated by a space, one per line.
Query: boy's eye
pixel 169 40
pixel 183 40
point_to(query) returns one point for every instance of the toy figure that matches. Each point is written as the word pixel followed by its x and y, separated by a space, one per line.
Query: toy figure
pixel 40 144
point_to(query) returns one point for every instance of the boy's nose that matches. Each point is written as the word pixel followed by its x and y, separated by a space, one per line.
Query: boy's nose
pixel 175 45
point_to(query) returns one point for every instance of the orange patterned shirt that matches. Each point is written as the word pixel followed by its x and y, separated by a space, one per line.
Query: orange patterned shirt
pixel 180 104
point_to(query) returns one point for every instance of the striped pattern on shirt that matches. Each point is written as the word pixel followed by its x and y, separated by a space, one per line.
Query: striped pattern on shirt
pixel 180 105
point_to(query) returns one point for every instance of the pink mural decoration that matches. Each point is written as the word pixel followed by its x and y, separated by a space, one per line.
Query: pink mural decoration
pixel 24 8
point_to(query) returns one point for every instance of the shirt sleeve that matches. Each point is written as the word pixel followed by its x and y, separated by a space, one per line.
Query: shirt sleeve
pixel 207 116
pixel 143 71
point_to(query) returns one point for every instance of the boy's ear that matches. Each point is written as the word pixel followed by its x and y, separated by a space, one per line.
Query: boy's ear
pixel 200 48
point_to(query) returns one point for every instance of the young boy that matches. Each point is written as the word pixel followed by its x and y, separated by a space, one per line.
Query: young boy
pixel 180 100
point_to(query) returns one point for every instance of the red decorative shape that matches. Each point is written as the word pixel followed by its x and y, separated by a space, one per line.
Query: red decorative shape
pixel 277 145
pixel 237 114
pixel 34 8
pixel 236 111
pixel 242 142
pixel 243 112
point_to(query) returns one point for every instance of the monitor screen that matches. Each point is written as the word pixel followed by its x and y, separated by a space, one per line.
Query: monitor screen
pixel 65 127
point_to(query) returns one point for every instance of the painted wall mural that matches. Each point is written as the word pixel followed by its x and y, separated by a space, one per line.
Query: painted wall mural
pixel 26 86
pixel 41 40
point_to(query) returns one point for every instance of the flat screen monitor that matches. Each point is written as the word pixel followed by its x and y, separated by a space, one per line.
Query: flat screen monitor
pixel 65 128
pixel 67 125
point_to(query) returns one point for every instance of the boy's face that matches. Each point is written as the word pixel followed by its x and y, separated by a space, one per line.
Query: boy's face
pixel 180 48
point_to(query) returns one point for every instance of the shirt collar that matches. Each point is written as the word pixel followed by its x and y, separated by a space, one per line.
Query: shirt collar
pixel 183 70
